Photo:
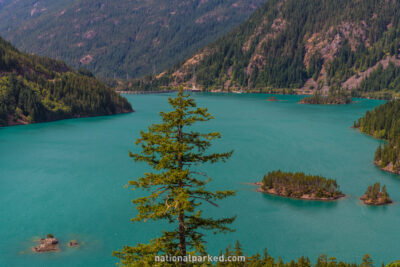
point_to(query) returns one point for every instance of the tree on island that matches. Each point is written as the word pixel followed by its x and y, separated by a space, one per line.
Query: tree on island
pixel 374 195
pixel 300 185
pixel 176 189
pixel 336 95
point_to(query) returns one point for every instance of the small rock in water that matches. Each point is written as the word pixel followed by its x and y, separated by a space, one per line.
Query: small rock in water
pixel 48 244
pixel 73 243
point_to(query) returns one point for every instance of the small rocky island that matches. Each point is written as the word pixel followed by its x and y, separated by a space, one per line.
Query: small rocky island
pixel 51 244
pixel 272 99
pixel 374 195
pixel 48 244
pixel 337 98
pixel 300 186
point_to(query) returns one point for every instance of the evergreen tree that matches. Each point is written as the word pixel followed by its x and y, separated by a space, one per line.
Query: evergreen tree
pixel 367 261
pixel 384 194
pixel 238 249
pixel 378 153
pixel 176 190
pixel 374 195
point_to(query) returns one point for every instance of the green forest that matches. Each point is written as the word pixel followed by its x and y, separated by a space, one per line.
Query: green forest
pixel 280 47
pixel 38 89
pixel 388 155
pixel 381 83
pixel 333 98
pixel 384 123
pixel 122 39
pixel 298 184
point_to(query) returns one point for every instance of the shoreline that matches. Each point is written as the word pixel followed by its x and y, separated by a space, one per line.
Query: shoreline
pixel 367 202
pixel 389 167
pixel 211 91
pixel 303 197
pixel 239 92
pixel 21 123
pixel 376 204
pixel 146 92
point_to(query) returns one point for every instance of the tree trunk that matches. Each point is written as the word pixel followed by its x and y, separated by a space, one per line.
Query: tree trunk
pixel 182 234
pixel 181 217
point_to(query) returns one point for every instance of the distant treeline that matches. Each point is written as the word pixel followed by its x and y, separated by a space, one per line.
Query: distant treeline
pixel 266 260
pixel 334 97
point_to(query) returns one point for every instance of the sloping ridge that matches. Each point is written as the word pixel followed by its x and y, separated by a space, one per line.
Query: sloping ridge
pixel 297 44
pixel 38 89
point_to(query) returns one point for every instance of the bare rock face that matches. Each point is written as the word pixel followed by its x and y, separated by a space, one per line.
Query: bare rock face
pixel 73 243
pixel 47 244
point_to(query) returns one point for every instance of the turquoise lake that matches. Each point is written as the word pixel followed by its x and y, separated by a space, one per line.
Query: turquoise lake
pixel 67 178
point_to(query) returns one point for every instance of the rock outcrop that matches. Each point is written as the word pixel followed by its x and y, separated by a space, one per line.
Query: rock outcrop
pixel 48 244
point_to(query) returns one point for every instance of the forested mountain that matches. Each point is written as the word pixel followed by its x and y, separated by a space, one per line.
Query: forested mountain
pixel 297 44
pixel 39 89
pixel 121 38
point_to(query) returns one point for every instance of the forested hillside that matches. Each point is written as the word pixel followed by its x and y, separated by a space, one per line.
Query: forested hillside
pixel 384 123
pixel 120 38
pixel 39 89
pixel 304 45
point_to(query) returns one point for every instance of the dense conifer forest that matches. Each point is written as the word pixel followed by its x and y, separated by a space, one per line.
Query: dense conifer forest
pixel 39 89
pixel 296 44
pixel 384 123
pixel 381 83
pixel 120 38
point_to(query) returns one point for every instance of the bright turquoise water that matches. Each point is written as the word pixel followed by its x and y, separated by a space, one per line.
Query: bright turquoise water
pixel 68 177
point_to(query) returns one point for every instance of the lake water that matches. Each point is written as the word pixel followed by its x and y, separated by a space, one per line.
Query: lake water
pixel 67 178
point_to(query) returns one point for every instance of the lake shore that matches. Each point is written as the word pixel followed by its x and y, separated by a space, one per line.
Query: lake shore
pixel 310 197
pixel 388 168
pixel 377 202
pixel 24 122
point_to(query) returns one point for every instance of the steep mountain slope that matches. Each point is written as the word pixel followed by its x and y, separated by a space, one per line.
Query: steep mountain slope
pixel 15 13
pixel 38 89
pixel 120 38
pixel 298 44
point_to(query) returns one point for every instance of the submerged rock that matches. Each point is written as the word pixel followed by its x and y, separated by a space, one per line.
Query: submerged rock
pixel 73 243
pixel 48 244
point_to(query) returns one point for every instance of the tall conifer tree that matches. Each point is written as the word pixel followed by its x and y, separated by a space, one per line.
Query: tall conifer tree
pixel 176 190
